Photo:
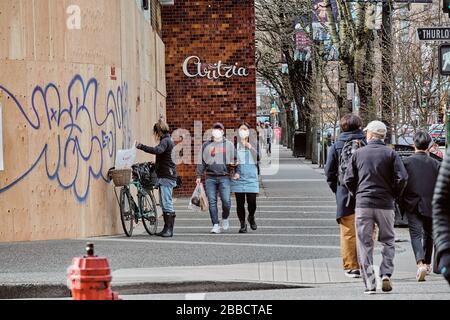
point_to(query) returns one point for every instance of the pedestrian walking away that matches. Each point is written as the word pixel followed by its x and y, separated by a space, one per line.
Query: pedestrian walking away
pixel 166 172
pixel 269 136
pixel 245 184
pixel 441 218
pixel 377 177
pixel 216 160
pixel 417 201
pixel 351 138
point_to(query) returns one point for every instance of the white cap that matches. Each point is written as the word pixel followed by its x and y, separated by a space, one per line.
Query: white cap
pixel 377 127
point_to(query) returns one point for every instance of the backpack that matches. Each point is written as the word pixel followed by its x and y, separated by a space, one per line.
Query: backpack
pixel 347 152
pixel 145 173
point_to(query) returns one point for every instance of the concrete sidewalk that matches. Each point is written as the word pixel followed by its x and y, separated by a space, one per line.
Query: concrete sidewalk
pixel 318 278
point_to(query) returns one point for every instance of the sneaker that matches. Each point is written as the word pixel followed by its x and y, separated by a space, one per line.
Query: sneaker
pixel 225 224
pixel 429 269
pixel 215 229
pixel 353 274
pixel 421 273
pixel 386 284
pixel 370 291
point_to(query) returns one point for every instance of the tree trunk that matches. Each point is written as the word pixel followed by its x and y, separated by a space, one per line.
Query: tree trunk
pixel 290 120
pixel 387 63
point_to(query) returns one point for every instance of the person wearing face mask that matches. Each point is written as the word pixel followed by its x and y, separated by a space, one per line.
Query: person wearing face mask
pixel 245 184
pixel 215 159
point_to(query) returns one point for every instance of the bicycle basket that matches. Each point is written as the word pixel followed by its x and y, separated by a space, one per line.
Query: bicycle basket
pixel 121 177
pixel 145 173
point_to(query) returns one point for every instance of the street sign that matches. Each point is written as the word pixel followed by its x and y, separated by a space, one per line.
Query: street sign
pixel 444 59
pixel 350 91
pixel 434 34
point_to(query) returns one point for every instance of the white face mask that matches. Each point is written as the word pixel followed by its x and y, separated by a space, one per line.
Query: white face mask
pixel 217 134
pixel 244 134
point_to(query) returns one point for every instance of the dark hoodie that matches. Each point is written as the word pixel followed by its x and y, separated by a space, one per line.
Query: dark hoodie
pixel 332 172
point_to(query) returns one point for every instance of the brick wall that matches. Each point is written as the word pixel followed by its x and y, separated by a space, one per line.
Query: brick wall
pixel 214 31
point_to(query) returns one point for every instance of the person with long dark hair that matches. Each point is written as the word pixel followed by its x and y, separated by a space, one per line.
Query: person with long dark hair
pixel 166 172
pixel 245 183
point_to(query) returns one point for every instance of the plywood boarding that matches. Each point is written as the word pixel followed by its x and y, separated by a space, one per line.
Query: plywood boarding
pixel 12 42
pixel 63 155
pixel 160 65
pixel 14 217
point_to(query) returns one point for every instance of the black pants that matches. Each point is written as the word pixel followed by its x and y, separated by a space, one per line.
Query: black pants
pixel 421 232
pixel 269 146
pixel 240 202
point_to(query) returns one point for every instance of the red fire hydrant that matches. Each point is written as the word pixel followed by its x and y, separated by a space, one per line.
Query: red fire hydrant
pixel 90 277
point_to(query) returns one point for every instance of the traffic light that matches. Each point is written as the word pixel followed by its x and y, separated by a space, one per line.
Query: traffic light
pixel 444 59
pixel 446 6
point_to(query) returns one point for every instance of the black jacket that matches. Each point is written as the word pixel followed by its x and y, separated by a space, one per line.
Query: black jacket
pixel 165 166
pixel 332 172
pixel 441 210
pixel 377 176
pixel 422 175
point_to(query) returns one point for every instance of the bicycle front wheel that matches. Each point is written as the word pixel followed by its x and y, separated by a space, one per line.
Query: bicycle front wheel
pixel 126 211
pixel 147 204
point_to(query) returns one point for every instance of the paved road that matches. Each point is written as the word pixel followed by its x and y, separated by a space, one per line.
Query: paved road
pixel 405 290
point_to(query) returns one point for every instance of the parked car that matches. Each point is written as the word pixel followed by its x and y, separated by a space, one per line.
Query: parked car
pixel 438 135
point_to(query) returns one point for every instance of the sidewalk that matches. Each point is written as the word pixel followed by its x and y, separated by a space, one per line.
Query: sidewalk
pixel 319 278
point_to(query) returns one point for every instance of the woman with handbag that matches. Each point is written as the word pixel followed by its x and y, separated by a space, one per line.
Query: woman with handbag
pixel 245 182
pixel 166 172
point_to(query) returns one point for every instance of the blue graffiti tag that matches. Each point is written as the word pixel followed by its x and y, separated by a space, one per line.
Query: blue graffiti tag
pixel 81 154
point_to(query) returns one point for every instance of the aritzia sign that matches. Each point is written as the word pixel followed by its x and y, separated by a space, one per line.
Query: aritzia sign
pixel 193 67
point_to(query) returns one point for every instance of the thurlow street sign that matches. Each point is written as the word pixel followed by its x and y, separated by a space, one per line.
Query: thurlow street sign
pixel 433 34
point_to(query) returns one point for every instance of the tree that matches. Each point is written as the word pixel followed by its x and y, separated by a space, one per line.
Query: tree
pixel 276 34
pixel 419 92
pixel 352 33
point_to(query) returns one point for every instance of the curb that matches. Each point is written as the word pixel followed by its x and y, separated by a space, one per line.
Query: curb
pixel 49 291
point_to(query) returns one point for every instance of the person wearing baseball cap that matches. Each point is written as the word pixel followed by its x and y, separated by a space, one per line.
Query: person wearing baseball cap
pixel 378 129
pixel 215 158
pixel 376 176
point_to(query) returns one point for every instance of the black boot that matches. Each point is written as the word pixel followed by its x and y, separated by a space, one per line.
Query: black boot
pixel 243 228
pixel 170 224
pixel 251 220
pixel 166 226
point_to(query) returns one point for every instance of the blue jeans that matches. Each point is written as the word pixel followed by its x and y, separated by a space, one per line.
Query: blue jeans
pixel 166 197
pixel 223 186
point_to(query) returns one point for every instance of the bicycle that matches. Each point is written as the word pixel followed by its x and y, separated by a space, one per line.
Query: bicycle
pixel 130 212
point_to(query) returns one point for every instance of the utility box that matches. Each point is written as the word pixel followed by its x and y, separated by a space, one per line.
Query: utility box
pixel 299 147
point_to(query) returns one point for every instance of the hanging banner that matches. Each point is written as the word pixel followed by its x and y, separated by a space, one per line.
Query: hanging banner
pixel 1 140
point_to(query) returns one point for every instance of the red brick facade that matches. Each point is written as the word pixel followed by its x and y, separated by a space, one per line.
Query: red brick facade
pixel 213 31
